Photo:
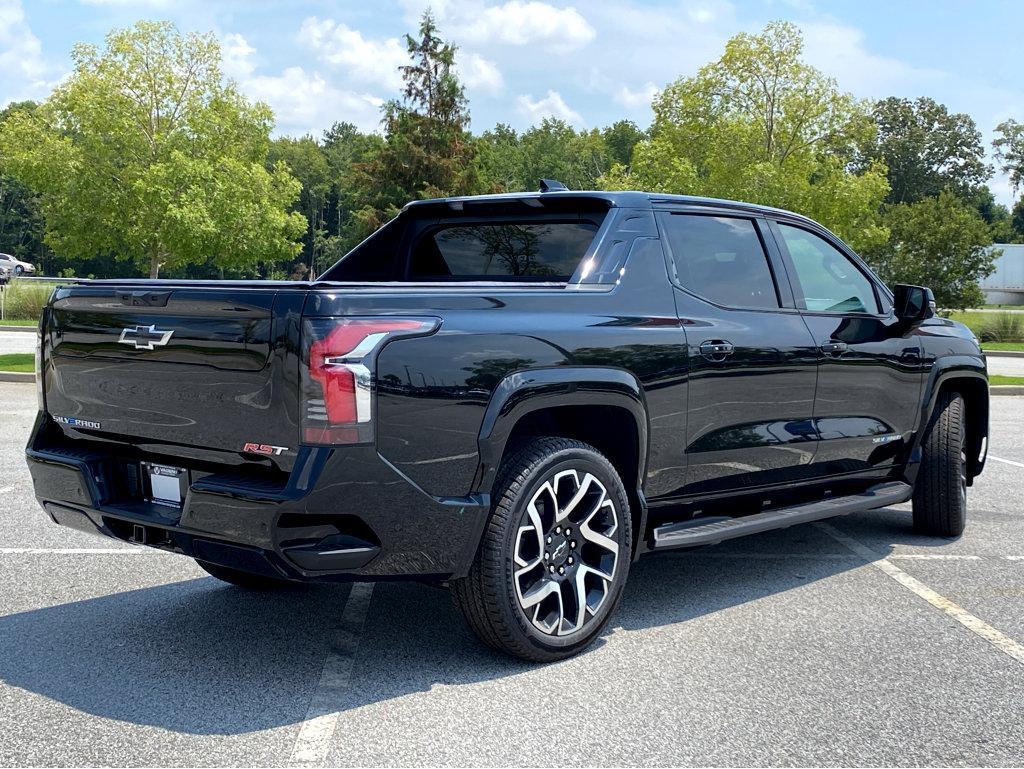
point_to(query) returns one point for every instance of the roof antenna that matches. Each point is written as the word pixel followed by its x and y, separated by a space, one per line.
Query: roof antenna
pixel 552 185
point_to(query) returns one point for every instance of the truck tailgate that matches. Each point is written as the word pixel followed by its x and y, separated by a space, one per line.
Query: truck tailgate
pixel 198 367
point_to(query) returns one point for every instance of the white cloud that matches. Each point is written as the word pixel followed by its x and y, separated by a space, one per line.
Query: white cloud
pixel 237 56
pixel 363 59
pixel 840 51
pixel 515 22
pixel 709 12
pixel 133 3
pixel 24 72
pixel 552 105
pixel 1002 190
pixel 479 74
pixel 641 97
pixel 304 102
pixel 643 48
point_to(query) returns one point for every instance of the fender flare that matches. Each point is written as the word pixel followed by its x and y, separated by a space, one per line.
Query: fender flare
pixel 524 392
pixel 945 370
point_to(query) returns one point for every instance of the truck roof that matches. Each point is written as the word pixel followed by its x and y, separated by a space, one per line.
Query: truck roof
pixel 624 199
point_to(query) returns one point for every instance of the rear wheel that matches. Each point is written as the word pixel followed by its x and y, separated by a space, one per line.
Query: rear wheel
pixel 554 555
pixel 244 578
pixel 940 494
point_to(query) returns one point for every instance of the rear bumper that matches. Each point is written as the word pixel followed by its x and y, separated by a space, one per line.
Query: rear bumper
pixel 341 514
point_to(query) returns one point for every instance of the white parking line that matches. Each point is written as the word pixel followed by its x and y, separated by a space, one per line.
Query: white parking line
pixel 934 557
pixel 1006 461
pixel 681 554
pixel 979 627
pixel 78 550
pixel 314 737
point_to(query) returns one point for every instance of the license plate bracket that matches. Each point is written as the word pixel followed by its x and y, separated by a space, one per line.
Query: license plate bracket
pixel 164 485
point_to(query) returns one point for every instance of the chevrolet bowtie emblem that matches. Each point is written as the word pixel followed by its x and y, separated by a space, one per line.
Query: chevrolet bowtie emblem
pixel 145 337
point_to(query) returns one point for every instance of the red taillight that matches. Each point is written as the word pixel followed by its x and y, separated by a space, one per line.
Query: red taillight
pixel 338 374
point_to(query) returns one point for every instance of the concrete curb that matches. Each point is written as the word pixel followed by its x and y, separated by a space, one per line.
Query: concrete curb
pixel 16 376
pixel 1003 353
pixel 1006 390
pixel 18 328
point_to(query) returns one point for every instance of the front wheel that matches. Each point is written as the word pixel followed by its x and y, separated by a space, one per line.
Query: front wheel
pixel 554 555
pixel 940 494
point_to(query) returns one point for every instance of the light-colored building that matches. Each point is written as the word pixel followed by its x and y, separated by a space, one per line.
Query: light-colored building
pixel 1006 284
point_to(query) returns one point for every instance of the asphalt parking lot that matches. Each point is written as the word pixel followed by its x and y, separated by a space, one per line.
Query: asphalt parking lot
pixel 850 643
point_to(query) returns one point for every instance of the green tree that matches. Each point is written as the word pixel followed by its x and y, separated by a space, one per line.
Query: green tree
pixel 937 242
pixel 307 162
pixel 620 138
pixel 146 153
pixel 21 222
pixel 554 150
pixel 1017 220
pixel 427 150
pixel 1009 147
pixel 502 166
pixel 925 149
pixel 761 125
pixel 346 148
pixel 996 215
pixel 511 162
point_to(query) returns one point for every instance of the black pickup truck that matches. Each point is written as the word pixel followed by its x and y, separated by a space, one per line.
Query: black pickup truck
pixel 513 395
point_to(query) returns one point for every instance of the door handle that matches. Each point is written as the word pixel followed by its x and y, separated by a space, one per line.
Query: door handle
pixel 833 348
pixel 717 350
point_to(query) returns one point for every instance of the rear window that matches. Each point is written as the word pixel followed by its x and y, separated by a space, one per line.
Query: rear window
pixel 538 240
pixel 545 251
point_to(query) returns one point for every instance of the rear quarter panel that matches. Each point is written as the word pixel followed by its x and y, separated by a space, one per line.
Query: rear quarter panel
pixel 432 392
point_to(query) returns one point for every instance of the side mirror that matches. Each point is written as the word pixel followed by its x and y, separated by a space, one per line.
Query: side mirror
pixel 913 304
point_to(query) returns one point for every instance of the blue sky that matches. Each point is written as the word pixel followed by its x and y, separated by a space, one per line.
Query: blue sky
pixel 587 61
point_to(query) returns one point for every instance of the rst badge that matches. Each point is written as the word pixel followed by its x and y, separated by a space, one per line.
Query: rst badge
pixel 264 448
pixel 76 422
pixel 145 337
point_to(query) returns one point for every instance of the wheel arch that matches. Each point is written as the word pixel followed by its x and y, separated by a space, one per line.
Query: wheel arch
pixel 603 407
pixel 967 377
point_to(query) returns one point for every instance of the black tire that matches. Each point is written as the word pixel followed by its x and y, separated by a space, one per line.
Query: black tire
pixel 940 494
pixel 18 269
pixel 244 579
pixel 502 579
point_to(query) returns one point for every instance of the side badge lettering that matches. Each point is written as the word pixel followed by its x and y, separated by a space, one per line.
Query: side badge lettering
pixel 75 422
pixel 264 448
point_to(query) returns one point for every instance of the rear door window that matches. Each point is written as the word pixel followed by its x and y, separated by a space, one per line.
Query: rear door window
pixel 722 259
pixel 540 251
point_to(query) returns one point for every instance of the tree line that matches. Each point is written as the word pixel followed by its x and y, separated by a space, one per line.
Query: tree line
pixel 146 159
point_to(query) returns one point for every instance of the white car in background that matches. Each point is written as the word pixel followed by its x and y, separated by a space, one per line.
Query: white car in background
pixel 15 266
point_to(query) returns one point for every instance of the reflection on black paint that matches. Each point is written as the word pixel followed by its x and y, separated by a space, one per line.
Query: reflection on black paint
pixel 755 435
pixel 831 428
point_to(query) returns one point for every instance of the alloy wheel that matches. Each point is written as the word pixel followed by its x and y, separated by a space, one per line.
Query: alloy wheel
pixel 566 553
